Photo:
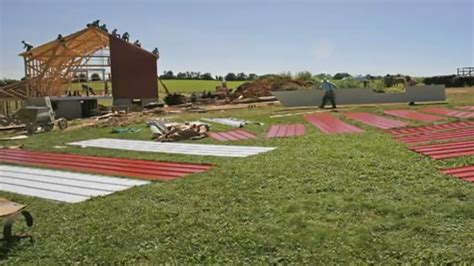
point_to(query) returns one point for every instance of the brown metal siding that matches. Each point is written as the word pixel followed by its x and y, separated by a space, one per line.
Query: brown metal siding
pixel 134 71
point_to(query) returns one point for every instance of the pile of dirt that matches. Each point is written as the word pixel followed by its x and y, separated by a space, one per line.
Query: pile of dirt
pixel 264 86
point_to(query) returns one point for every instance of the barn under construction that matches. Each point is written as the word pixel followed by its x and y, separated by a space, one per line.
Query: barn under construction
pixel 51 68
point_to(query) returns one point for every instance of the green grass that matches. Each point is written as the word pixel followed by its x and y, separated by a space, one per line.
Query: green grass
pixel 182 86
pixel 315 199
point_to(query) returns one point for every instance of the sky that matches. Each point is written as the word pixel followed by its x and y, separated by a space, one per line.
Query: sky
pixel 417 37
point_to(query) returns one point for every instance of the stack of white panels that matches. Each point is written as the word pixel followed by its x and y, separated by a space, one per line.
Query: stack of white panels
pixel 60 185
pixel 174 148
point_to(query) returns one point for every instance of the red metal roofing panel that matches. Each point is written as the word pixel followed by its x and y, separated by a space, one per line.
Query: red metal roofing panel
pixel 449 135
pixel 237 134
pixel 291 130
pixel 142 169
pixel 376 121
pixel 413 115
pixel 330 124
pixel 470 108
pixel 447 150
pixel 448 112
pixel 465 173
pixel 431 128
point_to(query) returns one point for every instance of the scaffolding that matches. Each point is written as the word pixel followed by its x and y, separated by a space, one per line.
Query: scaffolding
pixel 466 72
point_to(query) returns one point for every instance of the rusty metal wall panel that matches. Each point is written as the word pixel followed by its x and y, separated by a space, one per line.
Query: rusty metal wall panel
pixel 134 71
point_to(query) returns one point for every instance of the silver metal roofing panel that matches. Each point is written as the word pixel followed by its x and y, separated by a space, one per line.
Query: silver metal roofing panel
pixel 174 148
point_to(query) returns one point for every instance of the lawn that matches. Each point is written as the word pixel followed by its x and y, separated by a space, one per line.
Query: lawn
pixel 182 86
pixel 360 198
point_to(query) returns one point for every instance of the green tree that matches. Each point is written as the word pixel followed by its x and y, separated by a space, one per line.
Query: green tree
pixel 252 76
pixel 207 76
pixel 95 77
pixel 231 77
pixel 242 76
pixel 342 75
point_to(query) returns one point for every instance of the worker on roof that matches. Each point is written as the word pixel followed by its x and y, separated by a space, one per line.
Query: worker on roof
pixel 126 36
pixel 115 34
pixel 104 28
pixel 94 23
pixel 329 93
pixel 27 46
pixel 156 52
pixel 137 43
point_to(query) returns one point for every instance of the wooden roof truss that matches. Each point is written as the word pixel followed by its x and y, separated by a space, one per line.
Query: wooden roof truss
pixel 50 68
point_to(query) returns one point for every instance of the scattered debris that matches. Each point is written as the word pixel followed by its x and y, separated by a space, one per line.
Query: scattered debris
pixel 165 131
pixel 264 86
pixel 15 147
pixel 175 99
pixel 19 137
pixel 59 147
pixel 125 130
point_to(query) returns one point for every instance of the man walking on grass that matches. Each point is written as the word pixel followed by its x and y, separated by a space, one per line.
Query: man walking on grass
pixel 329 93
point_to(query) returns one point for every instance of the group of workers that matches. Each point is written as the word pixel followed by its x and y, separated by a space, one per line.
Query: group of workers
pixel 96 23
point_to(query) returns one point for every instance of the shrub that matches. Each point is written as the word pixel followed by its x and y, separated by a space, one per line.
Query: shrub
pixel 304 76
pixel 450 81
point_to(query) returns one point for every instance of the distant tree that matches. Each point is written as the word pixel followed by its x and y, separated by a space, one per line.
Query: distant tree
pixel 304 76
pixel 95 77
pixel 285 75
pixel 340 76
pixel 181 75
pixel 241 76
pixel 231 77
pixel 168 75
pixel 252 76
pixel 207 76
pixel 322 76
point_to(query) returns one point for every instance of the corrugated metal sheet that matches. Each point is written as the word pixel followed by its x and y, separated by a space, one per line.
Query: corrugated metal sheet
pixel 330 124
pixel 465 173
pixel 60 185
pixel 470 108
pixel 134 71
pixel 431 128
pixel 233 122
pixel 174 148
pixel 281 131
pixel 449 135
pixel 375 120
pixel 238 134
pixel 448 112
pixel 413 115
pixel 447 150
pixel 142 169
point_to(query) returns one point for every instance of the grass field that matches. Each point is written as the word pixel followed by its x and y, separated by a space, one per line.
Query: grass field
pixel 182 86
pixel 315 199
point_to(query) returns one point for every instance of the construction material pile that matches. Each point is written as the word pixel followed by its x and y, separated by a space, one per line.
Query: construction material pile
pixel 265 85
pixel 165 131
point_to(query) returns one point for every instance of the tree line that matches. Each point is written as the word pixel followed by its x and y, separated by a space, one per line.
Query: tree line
pixel 192 75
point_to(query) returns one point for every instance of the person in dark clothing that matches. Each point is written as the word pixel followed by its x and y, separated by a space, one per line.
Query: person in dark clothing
pixel 329 93
pixel 126 36
pixel 27 46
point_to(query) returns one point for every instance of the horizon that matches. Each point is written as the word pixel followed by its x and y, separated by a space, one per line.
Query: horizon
pixel 417 38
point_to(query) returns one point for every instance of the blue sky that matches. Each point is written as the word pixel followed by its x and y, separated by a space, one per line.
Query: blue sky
pixel 415 37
